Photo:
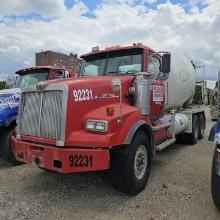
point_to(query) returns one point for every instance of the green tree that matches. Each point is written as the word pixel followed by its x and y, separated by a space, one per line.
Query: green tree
pixel 197 99
pixel 2 85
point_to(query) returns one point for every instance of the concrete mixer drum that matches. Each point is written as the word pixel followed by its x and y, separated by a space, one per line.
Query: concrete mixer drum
pixel 180 86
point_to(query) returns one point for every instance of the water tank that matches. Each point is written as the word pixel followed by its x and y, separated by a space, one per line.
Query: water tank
pixel 180 86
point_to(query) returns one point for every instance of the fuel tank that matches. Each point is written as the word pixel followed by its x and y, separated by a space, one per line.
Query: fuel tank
pixel 181 122
pixel 180 86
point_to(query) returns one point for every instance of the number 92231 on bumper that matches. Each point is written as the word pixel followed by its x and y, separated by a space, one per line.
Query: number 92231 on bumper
pixel 62 160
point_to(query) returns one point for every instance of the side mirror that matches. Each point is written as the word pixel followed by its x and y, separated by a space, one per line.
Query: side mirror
pixel 66 74
pixel 165 69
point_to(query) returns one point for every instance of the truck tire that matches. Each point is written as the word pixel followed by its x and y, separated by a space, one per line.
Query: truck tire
pixel 131 165
pixel 201 126
pixel 1 139
pixel 194 136
pixel 7 151
pixel 215 183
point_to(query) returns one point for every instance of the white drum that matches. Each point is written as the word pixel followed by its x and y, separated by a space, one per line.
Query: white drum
pixel 180 86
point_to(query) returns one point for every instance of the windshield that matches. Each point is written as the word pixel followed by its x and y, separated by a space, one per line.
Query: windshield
pixel 31 78
pixel 113 63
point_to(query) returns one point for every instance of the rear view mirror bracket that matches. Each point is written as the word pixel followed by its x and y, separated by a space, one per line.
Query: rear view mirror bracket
pixel 165 67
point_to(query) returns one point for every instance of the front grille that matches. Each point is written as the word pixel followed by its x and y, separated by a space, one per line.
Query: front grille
pixel 41 114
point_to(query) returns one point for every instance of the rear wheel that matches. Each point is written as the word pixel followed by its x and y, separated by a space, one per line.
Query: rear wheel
pixel 215 181
pixel 201 126
pixel 8 152
pixel 131 165
pixel 194 136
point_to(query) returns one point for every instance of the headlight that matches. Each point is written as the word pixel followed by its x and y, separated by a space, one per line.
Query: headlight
pixel 3 106
pixel 96 125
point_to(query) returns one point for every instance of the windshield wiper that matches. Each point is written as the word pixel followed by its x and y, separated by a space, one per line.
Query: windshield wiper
pixel 114 72
pixel 123 72
pixel 131 71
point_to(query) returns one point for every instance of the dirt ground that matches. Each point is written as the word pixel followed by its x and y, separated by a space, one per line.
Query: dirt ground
pixel 178 188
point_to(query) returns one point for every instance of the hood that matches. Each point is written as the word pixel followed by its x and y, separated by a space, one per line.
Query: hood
pixel 89 94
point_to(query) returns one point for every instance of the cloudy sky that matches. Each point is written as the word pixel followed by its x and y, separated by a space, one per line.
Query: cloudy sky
pixel 190 27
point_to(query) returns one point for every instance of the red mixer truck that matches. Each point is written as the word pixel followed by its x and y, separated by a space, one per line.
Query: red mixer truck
pixel 127 103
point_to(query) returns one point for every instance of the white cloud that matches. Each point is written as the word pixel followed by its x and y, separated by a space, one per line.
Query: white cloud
pixel 168 27
pixel 42 7
pixel 150 1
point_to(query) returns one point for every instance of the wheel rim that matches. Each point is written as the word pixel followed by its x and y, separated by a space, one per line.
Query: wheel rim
pixel 196 132
pixel 140 162
pixel 202 128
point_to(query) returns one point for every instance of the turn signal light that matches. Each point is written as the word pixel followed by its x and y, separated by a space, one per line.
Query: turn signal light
pixel 110 111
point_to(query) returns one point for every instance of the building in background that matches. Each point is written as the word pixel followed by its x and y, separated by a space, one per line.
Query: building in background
pixel 51 58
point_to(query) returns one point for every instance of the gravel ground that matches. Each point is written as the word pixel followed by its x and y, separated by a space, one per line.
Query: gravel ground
pixel 178 188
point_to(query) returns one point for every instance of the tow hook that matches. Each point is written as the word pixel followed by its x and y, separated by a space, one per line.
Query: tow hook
pixel 37 161
pixel 20 155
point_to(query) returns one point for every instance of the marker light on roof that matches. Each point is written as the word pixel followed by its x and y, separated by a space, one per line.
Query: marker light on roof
pixel 94 49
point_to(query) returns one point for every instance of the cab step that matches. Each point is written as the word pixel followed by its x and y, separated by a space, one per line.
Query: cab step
pixel 165 144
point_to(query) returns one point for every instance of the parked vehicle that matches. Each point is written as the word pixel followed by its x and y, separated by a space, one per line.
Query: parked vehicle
pixel 9 101
pixel 215 172
pixel 128 102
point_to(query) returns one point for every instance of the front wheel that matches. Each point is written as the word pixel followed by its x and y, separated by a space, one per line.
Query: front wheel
pixel 7 151
pixel 131 167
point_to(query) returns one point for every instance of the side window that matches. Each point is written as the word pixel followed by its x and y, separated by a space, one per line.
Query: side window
pixel 66 74
pixel 59 74
pixel 153 66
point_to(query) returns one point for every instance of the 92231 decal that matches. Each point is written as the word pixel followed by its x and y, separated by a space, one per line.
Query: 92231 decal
pixel 80 95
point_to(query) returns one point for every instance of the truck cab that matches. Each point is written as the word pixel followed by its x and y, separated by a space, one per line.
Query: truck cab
pixel 125 63
pixel 9 98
